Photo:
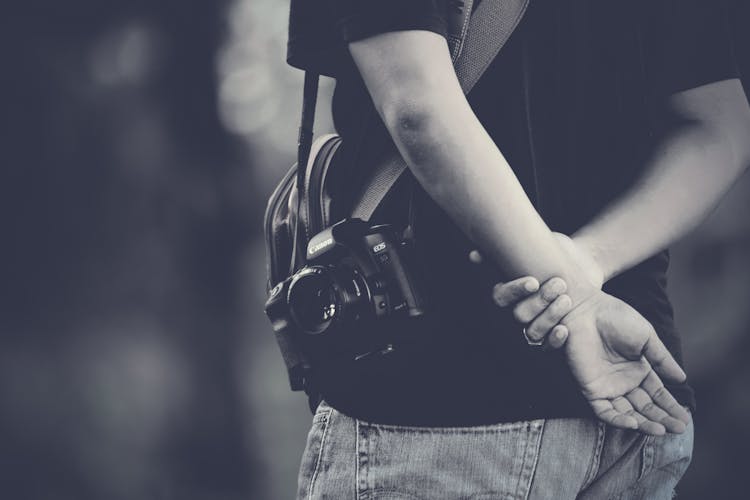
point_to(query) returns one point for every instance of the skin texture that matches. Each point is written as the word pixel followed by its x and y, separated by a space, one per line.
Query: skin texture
pixel 698 160
pixel 700 157
pixel 616 355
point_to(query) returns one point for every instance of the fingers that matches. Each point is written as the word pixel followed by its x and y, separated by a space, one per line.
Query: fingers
pixel 549 317
pixel 659 394
pixel 661 360
pixel 542 310
pixel 506 294
pixel 620 413
pixel 606 412
pixel 646 406
pixel 649 408
pixel 645 425
pixel 557 337
pixel 531 307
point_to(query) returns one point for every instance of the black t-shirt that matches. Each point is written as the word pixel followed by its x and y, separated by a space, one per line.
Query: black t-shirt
pixel 572 101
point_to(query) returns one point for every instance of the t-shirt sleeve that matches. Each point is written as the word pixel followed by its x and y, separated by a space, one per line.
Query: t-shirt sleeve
pixel 691 45
pixel 358 19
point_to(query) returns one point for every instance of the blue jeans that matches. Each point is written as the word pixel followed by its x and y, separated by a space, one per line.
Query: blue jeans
pixel 556 459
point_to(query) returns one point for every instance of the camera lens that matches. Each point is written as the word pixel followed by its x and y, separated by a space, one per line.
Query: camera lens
pixel 319 295
pixel 313 301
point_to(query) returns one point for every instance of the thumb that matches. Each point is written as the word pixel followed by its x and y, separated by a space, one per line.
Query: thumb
pixel 661 360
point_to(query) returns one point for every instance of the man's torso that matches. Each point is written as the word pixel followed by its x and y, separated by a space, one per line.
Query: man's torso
pixel 569 101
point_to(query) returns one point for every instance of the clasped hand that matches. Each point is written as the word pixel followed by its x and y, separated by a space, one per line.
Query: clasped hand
pixel 613 352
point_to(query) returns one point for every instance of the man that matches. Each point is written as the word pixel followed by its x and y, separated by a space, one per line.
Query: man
pixel 598 119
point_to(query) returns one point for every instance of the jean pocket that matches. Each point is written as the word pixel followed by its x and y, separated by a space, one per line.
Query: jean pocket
pixel 312 456
pixel 496 461
pixel 670 453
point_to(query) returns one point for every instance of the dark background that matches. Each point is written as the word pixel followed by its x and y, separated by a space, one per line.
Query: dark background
pixel 139 143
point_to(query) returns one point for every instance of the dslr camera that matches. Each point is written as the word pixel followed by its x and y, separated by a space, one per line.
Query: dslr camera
pixel 356 275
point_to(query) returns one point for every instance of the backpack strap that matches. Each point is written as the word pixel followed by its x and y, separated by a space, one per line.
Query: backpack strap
pixel 489 29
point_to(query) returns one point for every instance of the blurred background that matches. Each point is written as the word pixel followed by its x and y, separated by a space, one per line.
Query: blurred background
pixel 140 140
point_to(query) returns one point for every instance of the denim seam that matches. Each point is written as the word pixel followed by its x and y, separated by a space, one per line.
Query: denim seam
pixel 324 419
pixel 647 456
pixel 593 470
pixel 356 452
pixel 369 495
pixel 363 460
pixel 493 429
pixel 528 467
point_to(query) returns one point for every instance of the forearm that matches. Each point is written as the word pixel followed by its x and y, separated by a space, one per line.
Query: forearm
pixel 675 194
pixel 458 164
pixel 418 96
pixel 686 178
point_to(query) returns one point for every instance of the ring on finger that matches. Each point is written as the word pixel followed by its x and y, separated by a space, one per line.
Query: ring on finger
pixel 530 341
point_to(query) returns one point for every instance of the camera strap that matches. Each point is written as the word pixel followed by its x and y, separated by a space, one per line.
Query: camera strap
pixel 304 147
pixel 305 138
pixel 489 28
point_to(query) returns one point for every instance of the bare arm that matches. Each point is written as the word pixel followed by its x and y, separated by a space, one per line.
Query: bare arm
pixel 612 350
pixel 420 100
pixel 691 171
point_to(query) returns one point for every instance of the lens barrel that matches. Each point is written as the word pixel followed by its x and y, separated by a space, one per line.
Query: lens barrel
pixel 320 296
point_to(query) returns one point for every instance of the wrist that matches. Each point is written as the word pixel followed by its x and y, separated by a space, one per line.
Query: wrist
pixel 579 290
pixel 585 274
pixel 597 263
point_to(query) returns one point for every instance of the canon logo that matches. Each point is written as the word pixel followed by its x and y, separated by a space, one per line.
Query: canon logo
pixel 320 246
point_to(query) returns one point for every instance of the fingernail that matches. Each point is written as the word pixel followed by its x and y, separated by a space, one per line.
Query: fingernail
pixel 559 286
pixel 565 301
pixel 531 286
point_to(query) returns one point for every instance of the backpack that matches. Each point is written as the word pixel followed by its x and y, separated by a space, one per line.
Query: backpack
pixel 300 206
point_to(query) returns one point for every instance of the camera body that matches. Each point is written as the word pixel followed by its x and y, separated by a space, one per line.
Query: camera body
pixel 356 276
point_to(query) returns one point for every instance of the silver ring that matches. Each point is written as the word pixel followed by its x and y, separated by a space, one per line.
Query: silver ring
pixel 530 341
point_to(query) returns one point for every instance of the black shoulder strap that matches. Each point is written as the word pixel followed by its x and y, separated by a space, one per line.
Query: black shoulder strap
pixel 305 138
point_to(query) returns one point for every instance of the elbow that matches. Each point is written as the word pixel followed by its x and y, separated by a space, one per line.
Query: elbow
pixel 735 135
pixel 721 141
pixel 408 118
pixel 730 140
pixel 722 112
pixel 417 126
pixel 742 134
